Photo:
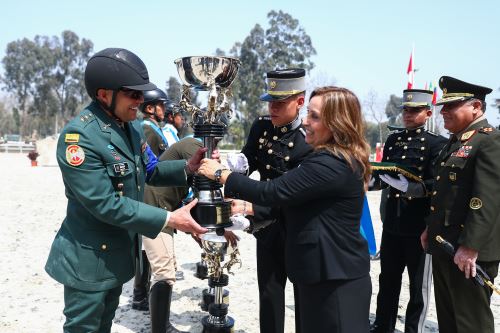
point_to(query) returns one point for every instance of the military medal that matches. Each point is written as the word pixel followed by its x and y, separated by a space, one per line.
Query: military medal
pixel 75 155
pixel 464 152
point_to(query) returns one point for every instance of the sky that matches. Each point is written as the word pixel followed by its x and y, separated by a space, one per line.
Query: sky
pixel 363 45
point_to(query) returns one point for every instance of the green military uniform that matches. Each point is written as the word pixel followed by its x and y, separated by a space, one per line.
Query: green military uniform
pixel 169 197
pixel 465 211
pixel 103 166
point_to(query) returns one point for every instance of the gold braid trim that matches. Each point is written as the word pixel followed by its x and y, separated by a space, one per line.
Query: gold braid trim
pixel 405 173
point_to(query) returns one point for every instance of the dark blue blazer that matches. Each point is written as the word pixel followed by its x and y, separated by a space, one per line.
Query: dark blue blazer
pixel 322 201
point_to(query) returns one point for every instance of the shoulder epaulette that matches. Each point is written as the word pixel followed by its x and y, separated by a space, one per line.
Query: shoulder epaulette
pixel 86 117
pixel 486 130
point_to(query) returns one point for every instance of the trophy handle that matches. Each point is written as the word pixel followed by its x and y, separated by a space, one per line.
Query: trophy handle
pixel 185 103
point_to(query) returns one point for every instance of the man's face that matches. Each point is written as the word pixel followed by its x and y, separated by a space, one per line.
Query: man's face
pixel 285 111
pixel 127 102
pixel 178 121
pixel 160 111
pixel 458 115
pixel 414 117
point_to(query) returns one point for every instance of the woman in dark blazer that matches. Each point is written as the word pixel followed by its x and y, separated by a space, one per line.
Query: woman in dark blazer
pixel 322 199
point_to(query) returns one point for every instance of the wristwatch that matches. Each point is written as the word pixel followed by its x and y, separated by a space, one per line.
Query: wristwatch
pixel 218 174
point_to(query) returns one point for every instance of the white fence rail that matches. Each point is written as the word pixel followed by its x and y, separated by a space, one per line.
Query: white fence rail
pixel 16 147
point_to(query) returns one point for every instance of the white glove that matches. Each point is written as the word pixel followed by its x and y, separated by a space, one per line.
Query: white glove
pixel 399 184
pixel 237 162
pixel 240 222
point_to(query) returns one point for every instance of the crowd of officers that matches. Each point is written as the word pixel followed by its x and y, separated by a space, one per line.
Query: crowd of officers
pixel 432 186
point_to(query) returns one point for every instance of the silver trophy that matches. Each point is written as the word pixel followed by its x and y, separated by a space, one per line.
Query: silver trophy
pixel 215 75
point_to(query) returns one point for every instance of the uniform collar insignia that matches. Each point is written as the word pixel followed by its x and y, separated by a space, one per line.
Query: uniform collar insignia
pixel 290 126
pixel 467 135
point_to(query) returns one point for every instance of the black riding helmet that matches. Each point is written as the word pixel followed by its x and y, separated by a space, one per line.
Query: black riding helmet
pixel 172 108
pixel 154 96
pixel 115 68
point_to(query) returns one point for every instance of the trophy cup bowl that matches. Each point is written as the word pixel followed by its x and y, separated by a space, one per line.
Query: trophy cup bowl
pixel 198 71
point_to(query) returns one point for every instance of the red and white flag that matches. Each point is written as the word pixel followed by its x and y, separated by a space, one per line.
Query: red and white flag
pixel 410 71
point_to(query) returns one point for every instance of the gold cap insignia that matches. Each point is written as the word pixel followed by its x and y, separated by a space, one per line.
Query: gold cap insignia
pixel 409 97
pixel 272 84
pixel 475 203
pixel 444 89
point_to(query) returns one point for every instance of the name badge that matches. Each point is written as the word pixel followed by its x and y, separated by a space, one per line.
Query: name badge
pixel 121 168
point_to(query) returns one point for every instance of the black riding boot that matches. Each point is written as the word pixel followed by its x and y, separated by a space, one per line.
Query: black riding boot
pixel 141 286
pixel 159 308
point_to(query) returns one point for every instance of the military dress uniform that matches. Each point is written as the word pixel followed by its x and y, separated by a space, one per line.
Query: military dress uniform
pixel 404 222
pixel 103 166
pixel 158 144
pixel 465 211
pixel 272 151
pixel 155 138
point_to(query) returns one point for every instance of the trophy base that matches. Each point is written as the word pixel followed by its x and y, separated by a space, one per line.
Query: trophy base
pixel 227 327
pixel 208 297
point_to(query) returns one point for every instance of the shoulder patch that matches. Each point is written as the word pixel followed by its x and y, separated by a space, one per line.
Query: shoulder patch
pixel 75 155
pixel 71 137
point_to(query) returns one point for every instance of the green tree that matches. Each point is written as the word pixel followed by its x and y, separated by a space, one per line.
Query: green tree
pixel 21 67
pixel 46 77
pixel 393 110
pixel 174 89
pixel 7 121
pixel 284 44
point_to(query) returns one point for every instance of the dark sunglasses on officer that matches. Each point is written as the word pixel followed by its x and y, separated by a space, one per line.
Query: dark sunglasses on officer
pixel 134 94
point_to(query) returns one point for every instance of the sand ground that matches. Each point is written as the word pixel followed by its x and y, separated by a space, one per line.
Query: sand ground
pixel 33 206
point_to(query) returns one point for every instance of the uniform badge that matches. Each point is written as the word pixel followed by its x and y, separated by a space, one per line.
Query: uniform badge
pixel 463 151
pixel 120 168
pixel 71 137
pixel 75 155
pixel 409 97
pixel 114 153
pixel 467 135
pixel 272 84
pixel 475 203
pixel 452 176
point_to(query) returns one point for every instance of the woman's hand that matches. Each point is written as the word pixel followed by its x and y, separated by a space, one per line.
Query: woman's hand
pixel 241 207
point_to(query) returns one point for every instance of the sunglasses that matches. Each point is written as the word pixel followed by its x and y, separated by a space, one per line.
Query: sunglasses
pixel 133 94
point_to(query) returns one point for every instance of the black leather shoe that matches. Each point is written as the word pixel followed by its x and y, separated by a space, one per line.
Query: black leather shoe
pixel 141 305
pixel 374 328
